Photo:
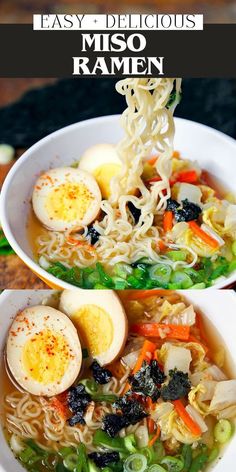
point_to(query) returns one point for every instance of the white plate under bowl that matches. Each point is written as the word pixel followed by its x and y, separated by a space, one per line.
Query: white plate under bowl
pixel 214 151
pixel 219 307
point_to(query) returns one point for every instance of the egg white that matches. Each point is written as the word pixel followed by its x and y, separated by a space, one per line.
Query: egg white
pixel 25 326
pixel 54 179
pixel 97 155
pixel 73 300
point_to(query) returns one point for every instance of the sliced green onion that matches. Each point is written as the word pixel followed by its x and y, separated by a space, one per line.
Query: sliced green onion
pixel 213 454
pixel 101 438
pixel 181 279
pixel 104 397
pixel 26 454
pixel 65 451
pixel 176 255
pixel 7 153
pixel 90 385
pixel 70 462
pixel 156 468
pixel 198 286
pixel 159 450
pixel 100 287
pixel 160 273
pixel 130 443
pixel 233 248
pixel 187 456
pixel 148 452
pixel 60 467
pixel 198 462
pixel 105 278
pixel 122 270
pixel 174 464
pixel 135 463
pixel 119 283
pixel 223 431
pixel 134 282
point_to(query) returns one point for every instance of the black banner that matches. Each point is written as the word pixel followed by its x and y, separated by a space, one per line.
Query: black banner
pixel 28 53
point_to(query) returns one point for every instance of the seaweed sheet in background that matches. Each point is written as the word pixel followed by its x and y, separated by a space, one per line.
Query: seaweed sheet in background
pixel 44 110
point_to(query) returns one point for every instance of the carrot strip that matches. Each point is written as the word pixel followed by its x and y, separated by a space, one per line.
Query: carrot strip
pixel 157 330
pixel 161 245
pixel 142 294
pixel 168 221
pixel 176 154
pixel 155 437
pixel 145 355
pixel 203 235
pixel 189 422
pixel 188 176
pixel 150 425
pixel 152 160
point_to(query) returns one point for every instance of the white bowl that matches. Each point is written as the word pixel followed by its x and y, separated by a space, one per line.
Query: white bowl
pixel 218 307
pixel 214 151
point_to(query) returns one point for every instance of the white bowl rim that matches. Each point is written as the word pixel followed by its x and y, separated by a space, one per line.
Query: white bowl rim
pixel 34 266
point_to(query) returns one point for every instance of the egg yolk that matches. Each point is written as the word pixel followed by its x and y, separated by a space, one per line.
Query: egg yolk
pixel 103 175
pixel 95 328
pixel 46 357
pixel 68 202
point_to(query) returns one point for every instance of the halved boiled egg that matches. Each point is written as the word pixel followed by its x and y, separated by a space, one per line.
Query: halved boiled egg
pixel 100 320
pixel 66 198
pixel 43 351
pixel 103 162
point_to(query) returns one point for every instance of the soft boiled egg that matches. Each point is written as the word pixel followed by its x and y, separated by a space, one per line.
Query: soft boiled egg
pixel 100 320
pixel 103 162
pixel 43 351
pixel 66 198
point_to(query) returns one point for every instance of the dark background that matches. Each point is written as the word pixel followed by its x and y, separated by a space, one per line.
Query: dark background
pixel 43 110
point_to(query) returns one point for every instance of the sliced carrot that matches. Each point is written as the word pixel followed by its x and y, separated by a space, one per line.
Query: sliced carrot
pixel 156 330
pixel 168 221
pixel 176 154
pixel 203 235
pixel 142 294
pixel 153 160
pixel 189 422
pixel 145 355
pixel 150 425
pixel 161 245
pixel 188 176
pixel 157 178
pixel 155 356
pixel 155 437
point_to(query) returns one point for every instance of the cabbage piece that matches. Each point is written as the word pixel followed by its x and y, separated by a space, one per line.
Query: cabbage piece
pixel 215 373
pixel 190 192
pixel 209 386
pixel 168 311
pixel 130 359
pixel 181 234
pixel 227 413
pixel 208 193
pixel 164 415
pixel 230 221
pixel 194 400
pixel 182 433
pixel 177 358
pixel 196 417
pixel 224 395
